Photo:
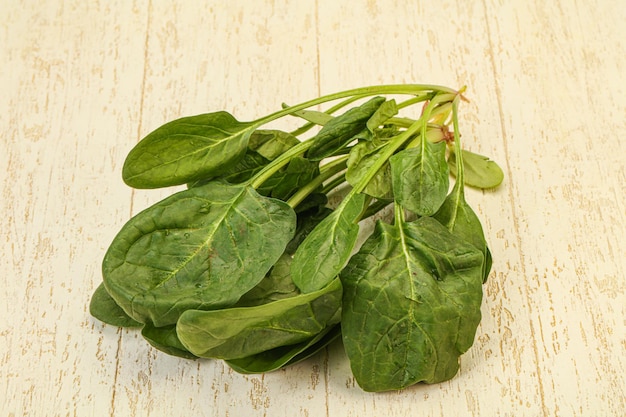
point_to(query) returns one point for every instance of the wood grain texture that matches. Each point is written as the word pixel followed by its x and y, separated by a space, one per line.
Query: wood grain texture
pixel 81 82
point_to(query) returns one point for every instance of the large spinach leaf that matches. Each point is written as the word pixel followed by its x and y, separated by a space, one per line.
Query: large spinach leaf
pixel 233 333
pixel 186 150
pixel 411 304
pixel 201 248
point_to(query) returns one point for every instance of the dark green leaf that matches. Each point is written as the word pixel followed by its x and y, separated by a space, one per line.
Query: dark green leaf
pixel 286 182
pixel 234 333
pixel 420 177
pixel 279 357
pixel 312 116
pixel 362 156
pixel 340 131
pixel 201 248
pixel 270 144
pixel 275 286
pixel 480 171
pixel 328 247
pixel 307 222
pixel 459 218
pixel 105 309
pixel 385 112
pixel 166 340
pixel 186 150
pixel 411 304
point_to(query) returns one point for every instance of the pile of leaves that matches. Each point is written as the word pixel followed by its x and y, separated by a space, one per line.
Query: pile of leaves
pixel 252 265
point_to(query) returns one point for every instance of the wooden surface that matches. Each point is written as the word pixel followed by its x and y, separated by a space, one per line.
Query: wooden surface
pixel 82 81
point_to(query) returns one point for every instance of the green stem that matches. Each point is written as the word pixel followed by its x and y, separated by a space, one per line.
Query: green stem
pixel 460 175
pixel 375 208
pixel 326 172
pixel 270 169
pixel 411 89
pixel 336 182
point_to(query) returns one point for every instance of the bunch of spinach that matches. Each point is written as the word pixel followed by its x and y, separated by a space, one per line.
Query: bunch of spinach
pixel 251 264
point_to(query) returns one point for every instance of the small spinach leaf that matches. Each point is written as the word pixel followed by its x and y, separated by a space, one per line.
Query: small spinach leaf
pixel 284 183
pixel 282 356
pixel 104 308
pixel 325 251
pixel 420 177
pixel 480 171
pixel 340 131
pixel 387 110
pixel 166 340
pixel 186 150
pixel 275 286
pixel 362 156
pixel 234 333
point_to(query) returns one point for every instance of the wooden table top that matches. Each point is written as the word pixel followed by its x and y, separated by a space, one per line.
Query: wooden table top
pixel 82 82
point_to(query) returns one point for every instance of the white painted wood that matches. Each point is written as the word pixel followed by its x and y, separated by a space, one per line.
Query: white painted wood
pixel 81 82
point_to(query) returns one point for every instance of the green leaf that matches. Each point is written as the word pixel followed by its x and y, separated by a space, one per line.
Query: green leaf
pixel 480 171
pixel 270 144
pixel 282 356
pixel 284 183
pixel 312 116
pixel 411 305
pixel 186 150
pixel 275 286
pixel 166 340
pixel 325 251
pixel 340 131
pixel 234 333
pixel 307 222
pixel 420 177
pixel 105 309
pixel 459 218
pixel 201 248
pixel 385 112
pixel 362 156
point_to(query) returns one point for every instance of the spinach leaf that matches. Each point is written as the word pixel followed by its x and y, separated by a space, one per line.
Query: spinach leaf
pixel 275 286
pixel 312 116
pixel 284 183
pixel 234 333
pixel 340 131
pixel 325 251
pixel 459 218
pixel 186 150
pixel 270 144
pixel 104 308
pixel 166 340
pixel 282 356
pixel 480 171
pixel 362 157
pixel 201 248
pixel 411 304
pixel 387 110
pixel 420 177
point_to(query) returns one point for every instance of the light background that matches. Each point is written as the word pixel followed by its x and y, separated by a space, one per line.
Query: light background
pixel 82 81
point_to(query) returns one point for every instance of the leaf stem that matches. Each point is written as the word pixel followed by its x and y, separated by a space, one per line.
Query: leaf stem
pixel 326 172
pixel 410 89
